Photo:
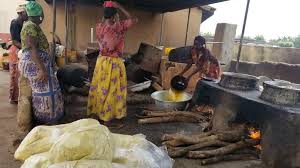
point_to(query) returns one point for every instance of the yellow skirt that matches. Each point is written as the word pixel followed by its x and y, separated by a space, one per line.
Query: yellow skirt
pixel 108 91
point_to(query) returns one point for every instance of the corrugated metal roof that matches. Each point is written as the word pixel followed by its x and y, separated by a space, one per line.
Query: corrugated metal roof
pixel 158 5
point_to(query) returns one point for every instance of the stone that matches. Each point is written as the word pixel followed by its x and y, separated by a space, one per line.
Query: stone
pixel 225 33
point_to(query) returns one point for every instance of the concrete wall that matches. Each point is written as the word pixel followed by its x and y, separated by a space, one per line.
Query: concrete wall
pixel 260 53
pixel 147 30
pixel 284 71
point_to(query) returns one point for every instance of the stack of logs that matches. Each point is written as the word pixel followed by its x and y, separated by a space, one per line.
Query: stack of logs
pixel 151 115
pixel 212 147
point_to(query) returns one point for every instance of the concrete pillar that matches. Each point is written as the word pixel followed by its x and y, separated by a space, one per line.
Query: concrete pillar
pixel 225 33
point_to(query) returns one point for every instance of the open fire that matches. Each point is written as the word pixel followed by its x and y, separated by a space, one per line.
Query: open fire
pixel 255 134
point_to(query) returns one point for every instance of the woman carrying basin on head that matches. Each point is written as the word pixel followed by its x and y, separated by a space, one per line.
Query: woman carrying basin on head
pixel 108 91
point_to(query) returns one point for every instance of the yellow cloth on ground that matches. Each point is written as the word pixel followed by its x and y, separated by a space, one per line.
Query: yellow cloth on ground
pixel 108 91
pixel 48 138
pixel 88 144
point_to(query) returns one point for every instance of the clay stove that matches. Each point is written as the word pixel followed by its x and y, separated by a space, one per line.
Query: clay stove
pixel 279 124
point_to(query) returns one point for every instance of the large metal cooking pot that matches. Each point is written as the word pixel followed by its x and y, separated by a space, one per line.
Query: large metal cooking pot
pixel 161 101
pixel 238 81
pixel 281 92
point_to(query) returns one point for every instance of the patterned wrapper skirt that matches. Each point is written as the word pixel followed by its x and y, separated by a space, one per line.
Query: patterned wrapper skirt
pixel 47 100
pixel 14 80
pixel 108 91
pixel 14 74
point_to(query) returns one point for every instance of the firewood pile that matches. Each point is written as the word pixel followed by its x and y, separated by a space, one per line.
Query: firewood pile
pixel 212 147
pixel 201 115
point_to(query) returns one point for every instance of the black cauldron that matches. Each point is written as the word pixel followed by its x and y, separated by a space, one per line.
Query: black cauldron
pixel 179 83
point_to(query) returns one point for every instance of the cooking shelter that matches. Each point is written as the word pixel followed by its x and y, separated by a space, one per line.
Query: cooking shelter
pixel 166 6
pixel 158 24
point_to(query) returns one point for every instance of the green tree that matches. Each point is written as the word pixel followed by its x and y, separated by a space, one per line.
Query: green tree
pixel 286 41
pixel 207 34
pixel 297 42
pixel 286 44
pixel 259 38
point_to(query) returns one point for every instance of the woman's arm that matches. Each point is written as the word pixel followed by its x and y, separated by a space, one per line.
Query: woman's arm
pixel 186 68
pixel 126 13
pixel 31 44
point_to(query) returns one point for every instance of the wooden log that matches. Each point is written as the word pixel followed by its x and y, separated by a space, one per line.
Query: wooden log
pixel 234 157
pixel 167 137
pixel 173 143
pixel 167 119
pixel 253 152
pixel 223 150
pixel 178 152
pixel 173 113
pixel 230 136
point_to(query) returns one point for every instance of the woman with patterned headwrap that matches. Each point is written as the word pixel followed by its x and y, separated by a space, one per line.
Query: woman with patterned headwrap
pixel 35 65
pixel 107 96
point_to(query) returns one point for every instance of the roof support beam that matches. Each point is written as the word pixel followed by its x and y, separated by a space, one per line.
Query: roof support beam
pixel 53 33
pixel 242 37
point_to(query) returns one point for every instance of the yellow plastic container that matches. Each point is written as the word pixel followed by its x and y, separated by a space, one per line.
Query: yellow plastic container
pixel 168 50
pixel 71 56
pixel 60 61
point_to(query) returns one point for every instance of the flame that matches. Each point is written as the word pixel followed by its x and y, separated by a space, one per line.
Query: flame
pixel 255 134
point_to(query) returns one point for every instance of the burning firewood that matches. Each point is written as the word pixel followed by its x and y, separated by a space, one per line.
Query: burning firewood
pixel 178 140
pixel 182 151
pixel 231 157
pixel 223 150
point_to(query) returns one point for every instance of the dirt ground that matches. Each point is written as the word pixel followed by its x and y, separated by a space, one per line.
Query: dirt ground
pixel 76 110
pixel 8 125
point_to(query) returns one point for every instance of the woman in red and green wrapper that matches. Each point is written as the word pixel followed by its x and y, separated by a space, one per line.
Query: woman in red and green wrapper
pixel 207 65
pixel 15 31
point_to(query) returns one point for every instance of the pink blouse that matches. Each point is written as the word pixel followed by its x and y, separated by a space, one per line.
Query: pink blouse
pixel 111 38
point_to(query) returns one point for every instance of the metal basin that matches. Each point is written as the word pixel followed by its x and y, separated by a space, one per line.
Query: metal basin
pixel 238 81
pixel 161 100
pixel 281 92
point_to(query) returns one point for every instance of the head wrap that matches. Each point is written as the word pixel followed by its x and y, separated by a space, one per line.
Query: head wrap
pixel 201 40
pixel 33 8
pixel 21 8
